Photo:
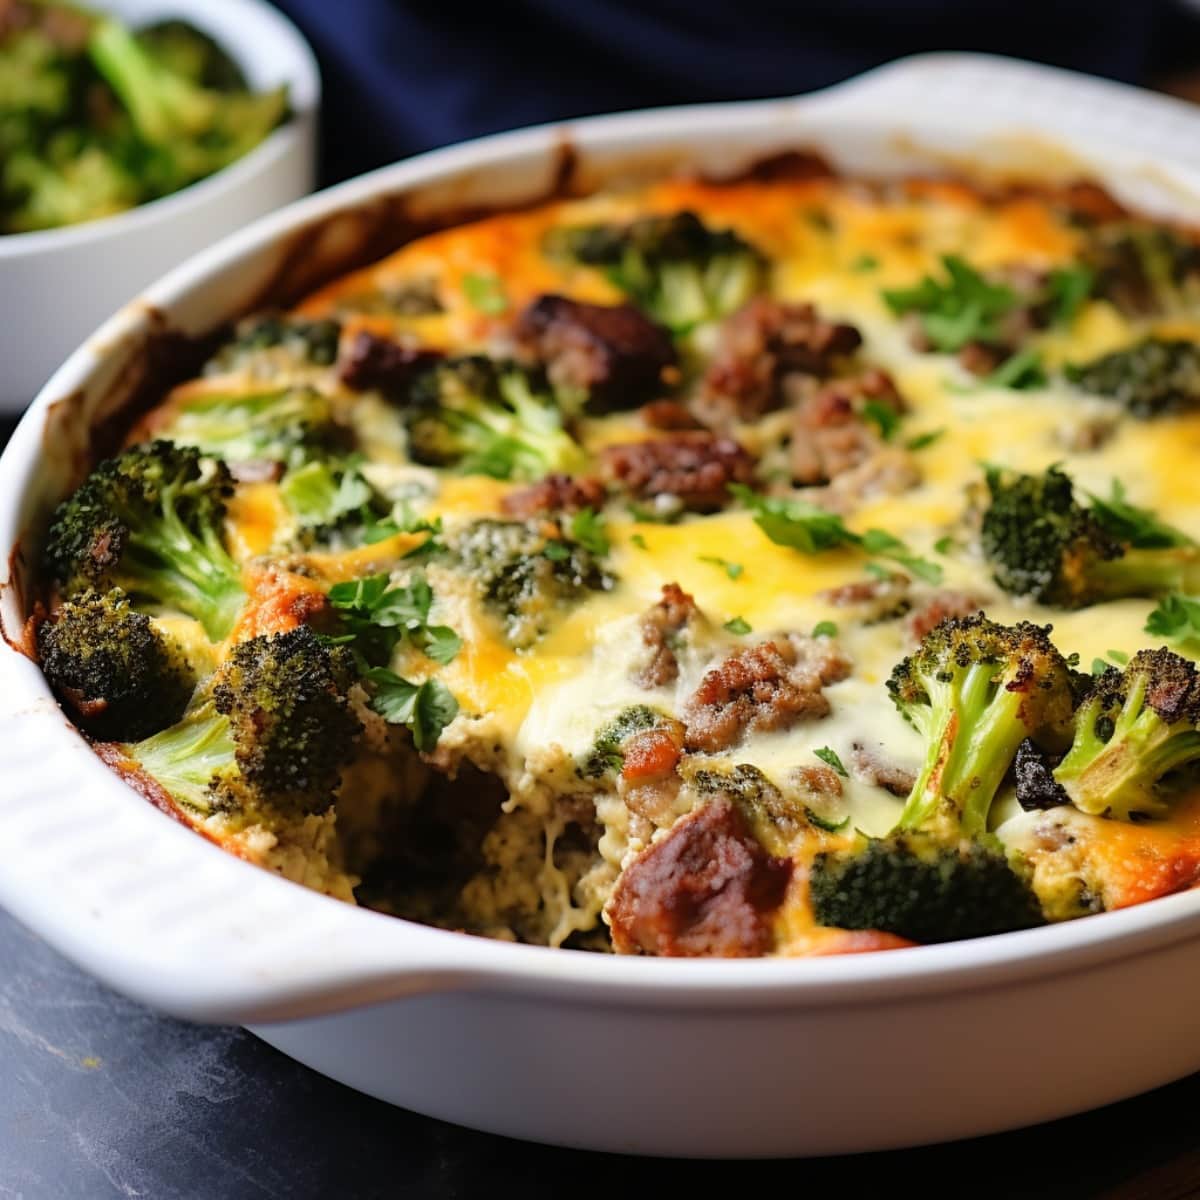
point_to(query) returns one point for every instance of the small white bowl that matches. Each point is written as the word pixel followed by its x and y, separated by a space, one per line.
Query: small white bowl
pixel 57 285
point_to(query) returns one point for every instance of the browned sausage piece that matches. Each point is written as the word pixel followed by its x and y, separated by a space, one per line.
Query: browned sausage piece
pixel 554 494
pixel 372 362
pixel 697 468
pixel 662 623
pixel 830 436
pixel 761 343
pixel 612 352
pixel 936 609
pixel 706 889
pixel 770 686
pixel 669 416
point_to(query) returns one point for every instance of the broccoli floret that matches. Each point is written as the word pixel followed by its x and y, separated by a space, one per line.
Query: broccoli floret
pixel 525 577
pixel 149 522
pixel 122 678
pixel 311 342
pixel 1144 269
pixel 191 130
pixel 921 889
pixel 488 417
pixel 274 729
pixel 974 690
pixel 1154 376
pixel 607 752
pixel 192 54
pixel 1135 728
pixel 677 269
pixel 280 426
pixel 1042 543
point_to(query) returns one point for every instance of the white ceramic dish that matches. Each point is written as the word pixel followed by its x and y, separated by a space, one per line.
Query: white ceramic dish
pixel 56 286
pixel 655 1056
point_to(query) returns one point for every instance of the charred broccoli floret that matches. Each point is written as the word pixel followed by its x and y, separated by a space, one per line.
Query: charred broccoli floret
pixel 191 53
pixel 190 131
pixel 1154 376
pixel 487 417
pixel 675 268
pixel 1042 542
pixel 916 887
pixel 287 426
pixel 525 577
pixel 1135 728
pixel 122 678
pixel 974 690
pixel 149 522
pixel 305 342
pixel 273 729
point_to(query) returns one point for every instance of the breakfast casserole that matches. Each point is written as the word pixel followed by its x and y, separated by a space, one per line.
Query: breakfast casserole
pixel 786 566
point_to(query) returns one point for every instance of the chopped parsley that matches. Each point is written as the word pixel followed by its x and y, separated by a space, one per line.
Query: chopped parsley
pixel 378 617
pixel 830 758
pixel 810 529
pixel 1020 372
pixel 733 569
pixel 737 625
pixel 884 416
pixel 1176 618
pixel 962 307
pixel 824 629
pixel 587 528
pixel 426 708
pixel 921 441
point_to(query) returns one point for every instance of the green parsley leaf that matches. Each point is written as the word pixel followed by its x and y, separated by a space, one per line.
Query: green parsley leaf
pixel 810 529
pixel 1067 288
pixel 878 570
pixel 638 541
pixel 1137 526
pixel 321 492
pixel 426 708
pixel 1019 372
pixel 378 617
pixel 945 545
pixel 960 308
pixel 865 262
pixel 1118 656
pixel 921 441
pixel 828 756
pixel 486 293
pixel 738 625
pixel 1176 618
pixel 732 569
pixel 557 551
pixel 1099 666
pixel 824 629
pixel 795 523
pixel 884 416
pixel 587 528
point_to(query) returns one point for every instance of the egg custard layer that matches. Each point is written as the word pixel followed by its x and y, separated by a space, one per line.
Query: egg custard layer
pixel 765 568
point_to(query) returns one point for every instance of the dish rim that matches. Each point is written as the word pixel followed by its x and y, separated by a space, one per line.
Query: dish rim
pixel 380 957
pixel 288 50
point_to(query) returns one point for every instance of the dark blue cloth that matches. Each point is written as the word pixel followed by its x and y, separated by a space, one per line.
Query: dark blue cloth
pixel 405 75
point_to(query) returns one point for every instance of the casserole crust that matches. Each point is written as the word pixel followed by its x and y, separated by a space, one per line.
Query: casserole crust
pixel 726 473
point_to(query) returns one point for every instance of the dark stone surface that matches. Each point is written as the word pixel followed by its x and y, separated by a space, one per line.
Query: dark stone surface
pixel 100 1098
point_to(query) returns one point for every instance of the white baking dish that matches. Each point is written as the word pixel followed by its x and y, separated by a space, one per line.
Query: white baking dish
pixel 57 285
pixel 654 1056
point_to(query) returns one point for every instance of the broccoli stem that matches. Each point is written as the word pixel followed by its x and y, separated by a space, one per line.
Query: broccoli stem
pixel 1146 573
pixel 171 566
pixel 185 758
pixel 968 769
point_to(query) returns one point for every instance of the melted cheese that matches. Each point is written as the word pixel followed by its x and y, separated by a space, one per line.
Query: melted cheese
pixel 837 246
